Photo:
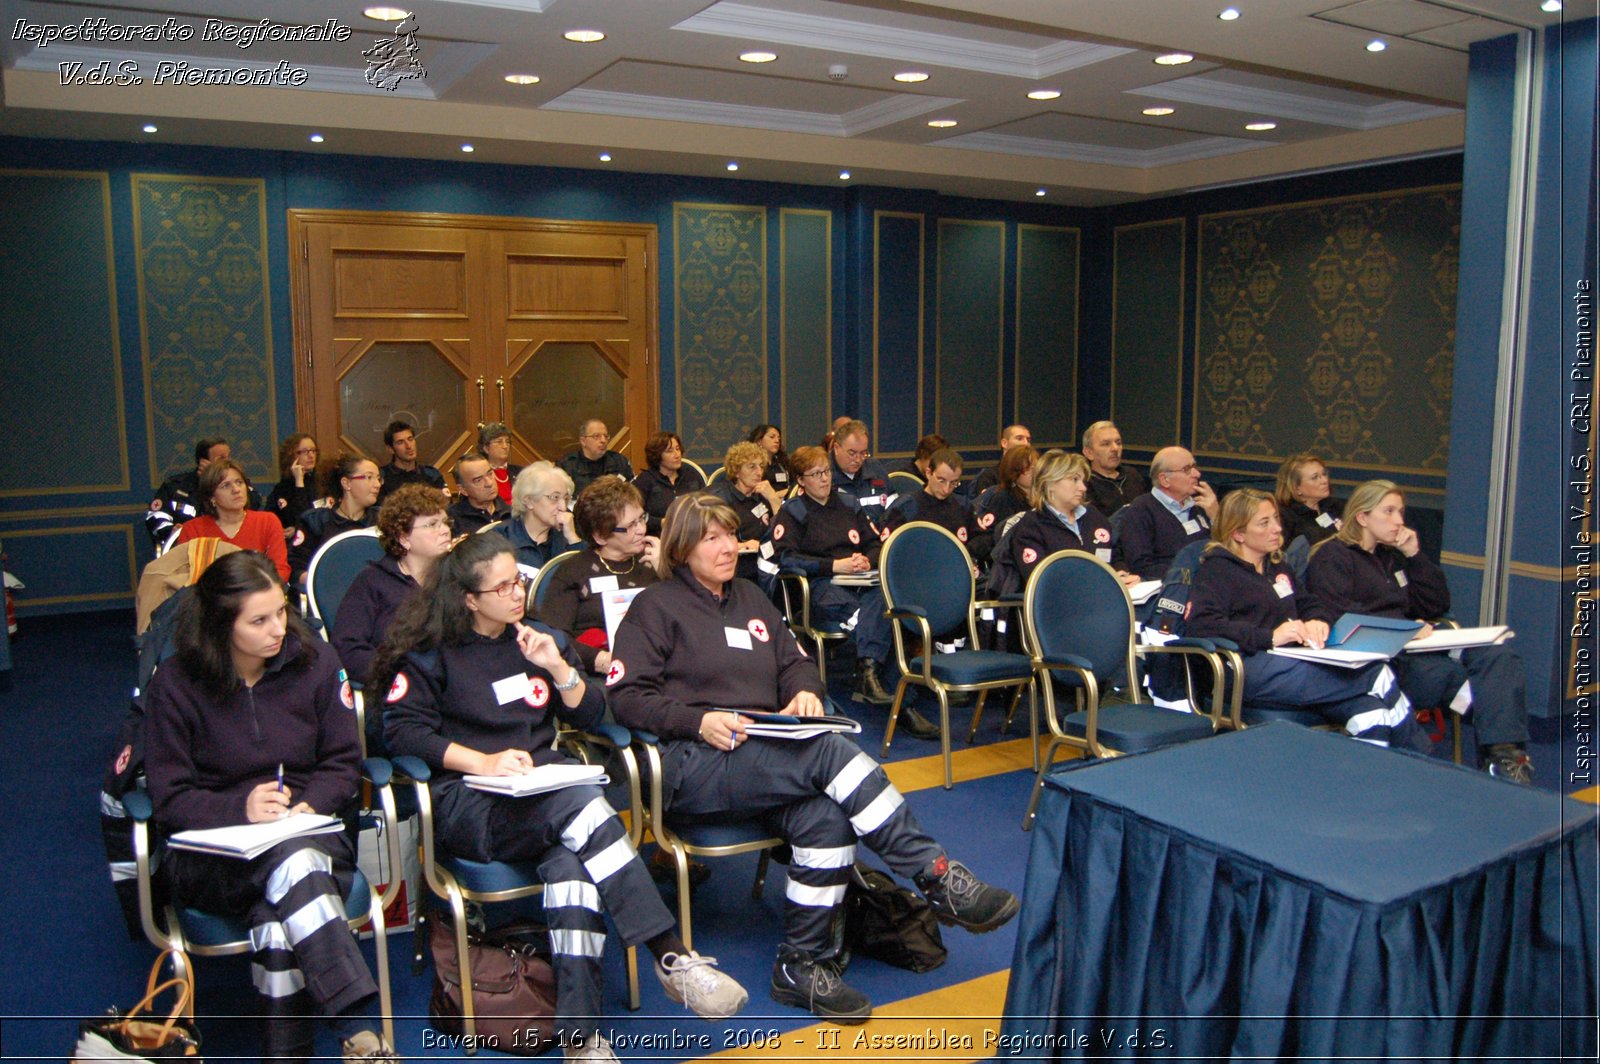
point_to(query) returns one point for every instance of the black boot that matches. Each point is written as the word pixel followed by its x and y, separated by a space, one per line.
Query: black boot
pixel 868 687
pixel 915 724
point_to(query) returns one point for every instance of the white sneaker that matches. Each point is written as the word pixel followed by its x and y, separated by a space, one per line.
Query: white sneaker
pixel 693 980
pixel 594 1049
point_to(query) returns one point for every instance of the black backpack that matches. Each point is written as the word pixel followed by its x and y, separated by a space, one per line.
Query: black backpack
pixel 887 921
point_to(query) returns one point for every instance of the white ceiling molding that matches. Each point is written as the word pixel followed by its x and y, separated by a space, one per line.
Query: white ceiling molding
pixel 531 7
pixel 1073 151
pixel 1208 91
pixel 848 36
pixel 632 105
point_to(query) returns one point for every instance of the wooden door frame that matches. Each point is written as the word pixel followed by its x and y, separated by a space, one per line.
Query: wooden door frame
pixel 300 285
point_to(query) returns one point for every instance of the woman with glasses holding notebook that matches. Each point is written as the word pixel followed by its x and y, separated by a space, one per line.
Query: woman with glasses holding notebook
pixel 473 690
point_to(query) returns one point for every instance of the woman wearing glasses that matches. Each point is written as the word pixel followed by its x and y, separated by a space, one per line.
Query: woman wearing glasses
pixel 296 490
pixel 354 483
pixel 617 555
pixel 224 501
pixel 665 477
pixel 474 690
pixel 744 486
pixel 494 443
pixel 541 516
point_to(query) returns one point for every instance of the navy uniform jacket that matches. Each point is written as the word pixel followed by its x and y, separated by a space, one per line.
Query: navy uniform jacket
pixel 203 759
pixel 1110 494
pixel 1230 599
pixel 449 695
pixel 996 506
pixel 659 492
pixel 315 528
pixel 1150 536
pixel 950 514
pixel 289 502
pixel 755 519
pixel 778 475
pixel 531 555
pixel 365 613
pixel 870 488
pixel 1384 583
pixel 467 518
pixel 584 472
pixel 810 536
pixel 1040 533
pixel 1298 520
pixel 395 478
pixel 177 500
pixel 572 598
pixel 986 479
pixel 682 651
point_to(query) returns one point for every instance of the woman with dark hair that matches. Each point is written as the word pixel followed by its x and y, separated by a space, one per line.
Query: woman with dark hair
pixel 541 516
pixel 354 483
pixel 296 490
pixel 1303 502
pixel 664 478
pixel 770 437
pixel 745 489
pixel 414 530
pixel 494 443
pixel 475 690
pixel 246 724
pixel 224 498
pixel 1010 495
pixel 617 554
pixel 693 655
pixel 1245 593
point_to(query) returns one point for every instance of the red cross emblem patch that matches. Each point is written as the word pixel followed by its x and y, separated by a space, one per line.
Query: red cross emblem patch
pixel 615 674
pixel 986 520
pixel 347 695
pixel 1029 555
pixel 538 693
pixel 961 533
pixel 758 628
pixel 854 536
pixel 122 760
pixel 777 533
pixel 398 689
pixel 1102 535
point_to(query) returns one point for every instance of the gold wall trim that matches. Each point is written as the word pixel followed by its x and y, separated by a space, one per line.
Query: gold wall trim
pixel 1183 325
pixel 125 484
pixel 1077 317
pixel 78 530
pixel 1544 572
pixel 999 344
pixel 783 314
pixel 1461 561
pixel 922 300
pixel 119 510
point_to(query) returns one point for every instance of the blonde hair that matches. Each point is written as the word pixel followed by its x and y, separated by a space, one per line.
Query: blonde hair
pixel 1364 500
pixel 1290 472
pixel 685 526
pixel 1237 508
pixel 742 454
pixel 1053 466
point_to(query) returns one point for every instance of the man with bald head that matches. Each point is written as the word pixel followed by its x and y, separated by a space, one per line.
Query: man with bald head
pixel 1112 484
pixel 1177 511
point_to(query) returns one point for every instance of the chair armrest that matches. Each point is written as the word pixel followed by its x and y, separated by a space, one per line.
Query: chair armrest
pixel 377 770
pixel 1005 603
pixel 648 738
pixel 614 734
pixel 1193 642
pixel 137 804
pixel 1219 643
pixel 413 768
pixel 908 611
pixel 1067 661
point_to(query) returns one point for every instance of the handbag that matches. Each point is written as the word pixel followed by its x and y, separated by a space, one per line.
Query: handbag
pixel 513 986
pixel 885 920
pixel 132 1035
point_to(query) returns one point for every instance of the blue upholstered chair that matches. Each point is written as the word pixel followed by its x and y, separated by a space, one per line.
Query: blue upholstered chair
pixel 929 591
pixel 794 595
pixel 539 586
pixel 334 568
pixel 1077 623
pixel 905 483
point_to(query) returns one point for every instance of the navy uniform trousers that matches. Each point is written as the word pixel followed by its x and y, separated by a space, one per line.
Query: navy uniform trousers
pixel 304 957
pixel 859 610
pixel 1368 702
pixel 820 795
pixel 1488 684
pixel 589 867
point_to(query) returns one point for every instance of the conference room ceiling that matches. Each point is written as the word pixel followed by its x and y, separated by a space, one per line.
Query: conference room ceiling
pixel 667 92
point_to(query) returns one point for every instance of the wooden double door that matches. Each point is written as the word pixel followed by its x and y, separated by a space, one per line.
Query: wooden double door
pixel 451 321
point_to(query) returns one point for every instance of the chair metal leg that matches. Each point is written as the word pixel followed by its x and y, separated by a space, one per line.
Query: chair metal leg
pixel 763 864
pixel 1033 721
pixel 458 920
pixel 1016 700
pixel 1038 781
pixel 944 733
pixel 380 949
pixel 977 714
pixel 632 959
pixel 894 716
pixel 680 861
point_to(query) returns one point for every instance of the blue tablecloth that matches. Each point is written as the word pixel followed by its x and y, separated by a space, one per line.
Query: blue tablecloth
pixel 1281 893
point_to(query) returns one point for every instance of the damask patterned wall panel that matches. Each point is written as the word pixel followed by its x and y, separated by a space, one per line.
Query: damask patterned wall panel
pixel 721 323
pixel 205 319
pixel 898 257
pixel 1330 326
pixel 1046 386
pixel 60 363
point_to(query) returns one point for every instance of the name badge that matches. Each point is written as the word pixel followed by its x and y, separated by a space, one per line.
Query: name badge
pixel 1400 578
pixel 528 571
pixel 1191 526
pixel 511 688
pixel 1325 520
pixel 766 549
pixel 738 638
pixel 781 477
pixel 760 510
pixel 598 584
pixel 1103 553
pixel 1283 588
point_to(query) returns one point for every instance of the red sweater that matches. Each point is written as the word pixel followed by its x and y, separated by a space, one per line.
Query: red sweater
pixel 260 532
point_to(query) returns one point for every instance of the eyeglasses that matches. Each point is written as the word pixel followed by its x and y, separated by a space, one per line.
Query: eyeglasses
pixel 305 450
pixel 1190 468
pixel 433 524
pixel 510 589
pixel 854 454
pixel 596 435
pixel 824 473
pixel 632 526
pixel 366 476
pixel 560 498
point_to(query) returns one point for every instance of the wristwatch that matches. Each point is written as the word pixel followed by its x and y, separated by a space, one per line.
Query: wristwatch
pixel 572 680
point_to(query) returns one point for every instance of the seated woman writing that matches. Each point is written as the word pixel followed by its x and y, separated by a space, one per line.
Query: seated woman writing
pixel 694 652
pixel 1243 592
pixel 1375 565
pixel 610 520
pixel 246 724
pixel 224 498
pixel 474 690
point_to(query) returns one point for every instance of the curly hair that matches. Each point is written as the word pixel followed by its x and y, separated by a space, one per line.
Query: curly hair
pixel 287 451
pixel 600 505
pixel 741 455
pixel 401 510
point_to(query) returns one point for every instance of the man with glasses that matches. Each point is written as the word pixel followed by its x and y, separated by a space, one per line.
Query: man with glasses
pixel 857 475
pixel 480 501
pixel 1176 512
pixel 592 460
pixel 940 503
pixel 403 468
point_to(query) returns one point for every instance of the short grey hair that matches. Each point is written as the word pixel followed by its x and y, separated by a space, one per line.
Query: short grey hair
pixel 1088 433
pixel 491 431
pixel 540 478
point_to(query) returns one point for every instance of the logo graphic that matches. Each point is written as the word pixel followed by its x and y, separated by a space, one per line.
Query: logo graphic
pixel 122 760
pixel 961 533
pixel 855 537
pixel 986 520
pixel 1102 535
pixel 398 689
pixel 538 693
pixel 299 536
pixel 392 60
pixel 758 628
pixel 615 674
pixel 347 695
pixel 777 533
pixel 1029 555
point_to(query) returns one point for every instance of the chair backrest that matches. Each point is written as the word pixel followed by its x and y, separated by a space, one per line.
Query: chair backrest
pixel 539 586
pixel 1168 609
pixel 696 467
pixel 492 526
pixel 716 475
pixel 334 567
pixel 923 565
pixel 1297 555
pixel 1075 604
pixel 905 483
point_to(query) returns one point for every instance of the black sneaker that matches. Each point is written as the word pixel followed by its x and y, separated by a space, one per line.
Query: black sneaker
pixel 961 899
pixel 815 985
pixel 1508 761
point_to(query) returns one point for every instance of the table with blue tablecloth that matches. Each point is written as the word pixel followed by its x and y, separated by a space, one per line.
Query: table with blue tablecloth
pixel 1281 893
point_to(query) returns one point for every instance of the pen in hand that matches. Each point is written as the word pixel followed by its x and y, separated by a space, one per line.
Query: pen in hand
pixel 280 777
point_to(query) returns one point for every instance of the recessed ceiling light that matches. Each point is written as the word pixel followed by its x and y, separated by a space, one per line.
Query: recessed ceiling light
pixel 315 138
pixel 733 166
pixel 844 175
pixel 468 148
pixel 1174 59
pixel 523 79
pixel 584 36
pixel 1550 5
pixel 1045 94
pixel 1038 192
pixel 911 77
pixel 1261 127
pixel 1157 112
pixel 1228 14
pixel 1376 46
pixel 942 123
pixel 605 156
pixel 758 57
pixel 149 129
pixel 385 14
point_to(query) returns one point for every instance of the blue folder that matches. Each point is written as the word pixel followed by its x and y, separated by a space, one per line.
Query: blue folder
pixel 1376 635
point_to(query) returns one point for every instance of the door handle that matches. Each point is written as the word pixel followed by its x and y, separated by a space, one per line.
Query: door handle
pixel 500 383
pixel 480 402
